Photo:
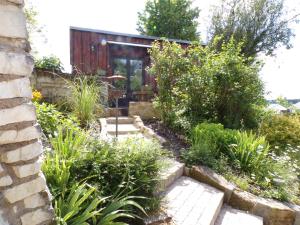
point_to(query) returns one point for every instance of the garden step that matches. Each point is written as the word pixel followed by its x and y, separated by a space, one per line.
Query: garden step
pixel 122 137
pixel 230 216
pixel 122 129
pixel 190 202
pixel 172 172
pixel 121 120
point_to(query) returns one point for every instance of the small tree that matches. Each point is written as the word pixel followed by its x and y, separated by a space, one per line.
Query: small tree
pixel 262 25
pixel 170 19
pixel 199 84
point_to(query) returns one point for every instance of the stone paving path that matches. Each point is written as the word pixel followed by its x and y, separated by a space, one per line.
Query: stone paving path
pixel 191 202
pixel 230 216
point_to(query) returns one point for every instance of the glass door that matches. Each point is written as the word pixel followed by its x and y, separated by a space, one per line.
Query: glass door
pixel 132 69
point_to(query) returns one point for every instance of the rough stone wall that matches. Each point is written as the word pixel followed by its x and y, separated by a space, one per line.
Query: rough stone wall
pixel 145 110
pixel 24 197
pixel 54 87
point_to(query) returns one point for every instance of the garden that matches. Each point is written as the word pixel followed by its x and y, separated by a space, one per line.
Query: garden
pixel 213 98
pixel 92 181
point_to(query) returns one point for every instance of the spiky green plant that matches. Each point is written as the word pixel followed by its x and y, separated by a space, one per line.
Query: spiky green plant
pixel 81 206
pixel 250 151
pixel 84 100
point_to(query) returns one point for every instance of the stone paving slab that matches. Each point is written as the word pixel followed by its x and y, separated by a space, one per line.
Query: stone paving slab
pixel 230 216
pixel 190 202
pixel 121 120
pixel 122 129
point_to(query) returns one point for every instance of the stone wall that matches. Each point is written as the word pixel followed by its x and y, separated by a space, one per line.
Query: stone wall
pixel 24 197
pixel 54 87
pixel 145 110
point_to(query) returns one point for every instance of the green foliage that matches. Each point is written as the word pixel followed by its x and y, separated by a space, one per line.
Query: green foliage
pixel 281 131
pixel 84 100
pixel 170 19
pixel 284 102
pixel 262 25
pixel 82 203
pixel 244 158
pixel 68 144
pixel 199 84
pixel 50 118
pixel 208 142
pixel 251 152
pixel 51 63
pixel 75 206
pixel 132 165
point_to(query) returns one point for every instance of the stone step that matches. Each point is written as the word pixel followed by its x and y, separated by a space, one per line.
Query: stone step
pixel 172 172
pixel 121 120
pixel 122 129
pixel 230 216
pixel 123 137
pixel 190 202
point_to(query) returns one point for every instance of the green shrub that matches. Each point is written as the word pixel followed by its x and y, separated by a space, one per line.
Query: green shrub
pixel 208 141
pixel 251 152
pixel 133 165
pixel 76 203
pixel 84 100
pixel 50 118
pixel 51 63
pixel 200 84
pixel 281 131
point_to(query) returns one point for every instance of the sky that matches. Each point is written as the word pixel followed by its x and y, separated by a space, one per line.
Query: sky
pixel 280 74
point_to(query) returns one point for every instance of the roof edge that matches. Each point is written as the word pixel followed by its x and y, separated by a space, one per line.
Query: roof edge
pixel 128 35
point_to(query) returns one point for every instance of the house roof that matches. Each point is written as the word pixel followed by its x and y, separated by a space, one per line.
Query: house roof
pixel 129 35
pixel 276 107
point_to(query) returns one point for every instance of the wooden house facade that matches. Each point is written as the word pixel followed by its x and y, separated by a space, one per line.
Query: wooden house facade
pixel 106 53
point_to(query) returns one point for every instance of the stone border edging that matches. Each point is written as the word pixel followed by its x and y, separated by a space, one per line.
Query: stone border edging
pixel 146 131
pixel 272 211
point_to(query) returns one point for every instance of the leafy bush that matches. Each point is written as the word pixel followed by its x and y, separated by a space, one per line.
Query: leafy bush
pixel 51 63
pixel 84 100
pixel 82 203
pixel 132 165
pixel 281 131
pixel 208 141
pixel 205 85
pixel 50 118
pixel 251 152
pixel 245 159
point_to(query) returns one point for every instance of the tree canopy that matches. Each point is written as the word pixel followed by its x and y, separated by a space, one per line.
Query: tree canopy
pixel 170 19
pixel 262 25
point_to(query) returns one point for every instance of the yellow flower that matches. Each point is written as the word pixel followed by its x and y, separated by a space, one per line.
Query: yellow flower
pixel 36 96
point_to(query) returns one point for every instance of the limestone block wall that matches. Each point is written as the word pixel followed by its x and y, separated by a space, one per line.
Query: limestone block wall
pixel 24 197
pixel 54 87
pixel 145 110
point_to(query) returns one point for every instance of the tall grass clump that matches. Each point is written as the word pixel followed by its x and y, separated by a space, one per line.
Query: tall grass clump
pixel 84 100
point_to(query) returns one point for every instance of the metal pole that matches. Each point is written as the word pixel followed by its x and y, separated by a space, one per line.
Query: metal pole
pixel 117 116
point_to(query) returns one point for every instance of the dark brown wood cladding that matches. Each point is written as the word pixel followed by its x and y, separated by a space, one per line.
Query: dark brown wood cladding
pixel 88 56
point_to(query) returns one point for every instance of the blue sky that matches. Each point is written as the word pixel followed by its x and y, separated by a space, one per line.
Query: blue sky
pixel 280 74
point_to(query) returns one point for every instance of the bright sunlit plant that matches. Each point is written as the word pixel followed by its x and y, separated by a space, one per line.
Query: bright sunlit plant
pixel 84 100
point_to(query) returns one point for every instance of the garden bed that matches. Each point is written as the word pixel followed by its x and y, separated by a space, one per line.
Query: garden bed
pixel 175 143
